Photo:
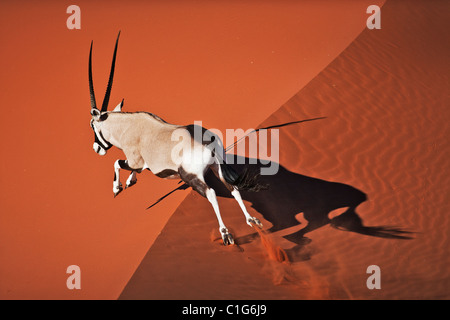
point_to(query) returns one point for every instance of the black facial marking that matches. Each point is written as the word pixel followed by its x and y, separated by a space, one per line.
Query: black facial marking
pixel 99 143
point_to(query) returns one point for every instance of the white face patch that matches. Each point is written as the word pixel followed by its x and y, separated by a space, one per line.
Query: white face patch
pixel 99 149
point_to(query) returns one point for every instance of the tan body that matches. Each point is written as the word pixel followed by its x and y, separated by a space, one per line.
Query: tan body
pixel 144 138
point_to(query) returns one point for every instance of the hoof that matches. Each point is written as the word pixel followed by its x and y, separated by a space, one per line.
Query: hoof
pixel 227 237
pixel 254 222
pixel 130 183
pixel 117 190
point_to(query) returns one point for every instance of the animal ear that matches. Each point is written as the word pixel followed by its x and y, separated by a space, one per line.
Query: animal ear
pixel 95 113
pixel 118 108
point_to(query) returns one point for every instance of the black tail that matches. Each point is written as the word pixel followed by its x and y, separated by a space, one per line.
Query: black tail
pixel 245 181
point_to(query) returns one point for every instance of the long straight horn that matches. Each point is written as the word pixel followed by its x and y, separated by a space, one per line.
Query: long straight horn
pixel 91 84
pixel 111 76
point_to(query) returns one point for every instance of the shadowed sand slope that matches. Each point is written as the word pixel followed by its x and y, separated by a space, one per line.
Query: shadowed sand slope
pixel 368 185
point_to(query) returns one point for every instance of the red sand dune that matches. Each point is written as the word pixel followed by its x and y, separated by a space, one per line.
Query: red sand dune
pixel 385 137
pixel 229 64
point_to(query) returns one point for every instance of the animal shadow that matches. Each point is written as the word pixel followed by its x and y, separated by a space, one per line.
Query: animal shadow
pixel 288 193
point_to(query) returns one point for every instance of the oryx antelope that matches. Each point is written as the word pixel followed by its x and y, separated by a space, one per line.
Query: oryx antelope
pixel 147 143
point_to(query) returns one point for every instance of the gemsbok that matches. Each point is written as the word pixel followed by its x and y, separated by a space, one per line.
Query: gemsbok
pixel 148 143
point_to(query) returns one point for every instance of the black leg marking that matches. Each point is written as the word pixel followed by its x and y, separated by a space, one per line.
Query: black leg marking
pixel 193 180
pixel 123 164
pixel 166 173
pixel 215 169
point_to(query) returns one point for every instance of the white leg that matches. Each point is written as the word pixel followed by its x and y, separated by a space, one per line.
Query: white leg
pixel 131 179
pixel 250 220
pixel 226 236
pixel 117 186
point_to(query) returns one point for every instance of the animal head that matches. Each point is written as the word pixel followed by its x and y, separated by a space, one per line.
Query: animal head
pixel 101 145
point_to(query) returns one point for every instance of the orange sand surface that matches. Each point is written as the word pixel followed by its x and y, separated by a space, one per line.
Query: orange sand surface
pixel 229 64
pixel 368 185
